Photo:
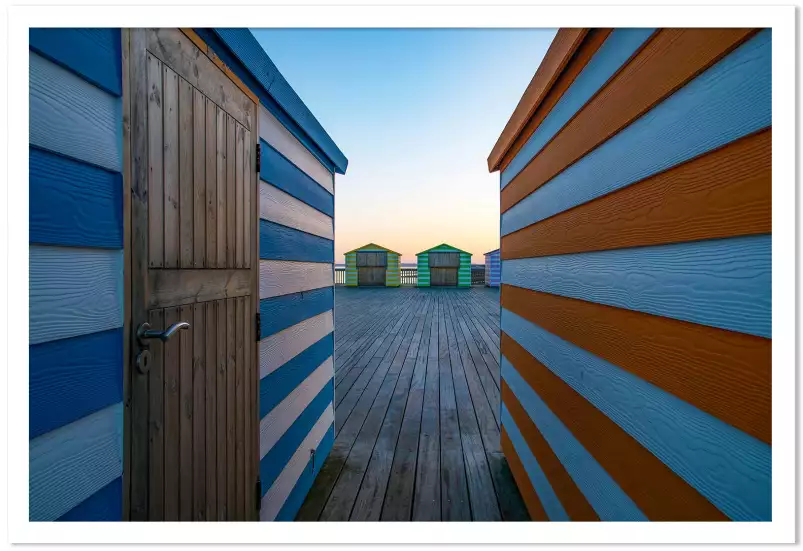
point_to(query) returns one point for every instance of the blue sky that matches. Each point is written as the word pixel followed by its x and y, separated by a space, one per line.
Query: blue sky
pixel 416 111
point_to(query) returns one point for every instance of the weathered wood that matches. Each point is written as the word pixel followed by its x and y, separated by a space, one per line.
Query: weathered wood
pixel 220 433
pixel 220 191
pixel 210 372
pixel 154 155
pixel 231 212
pixel 199 413
pixel 248 179
pixel 444 260
pixel 127 307
pixel 199 180
pixel 211 184
pixel 156 423
pixel 172 363
pixel 170 116
pixel 185 101
pixel 239 382
pixel 176 287
pixel 231 409
pixel 443 277
pixel 185 423
pixel 238 196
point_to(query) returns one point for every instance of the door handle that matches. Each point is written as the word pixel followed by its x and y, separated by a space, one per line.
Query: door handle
pixel 144 332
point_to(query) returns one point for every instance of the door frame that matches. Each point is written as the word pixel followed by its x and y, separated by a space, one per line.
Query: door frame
pixel 135 223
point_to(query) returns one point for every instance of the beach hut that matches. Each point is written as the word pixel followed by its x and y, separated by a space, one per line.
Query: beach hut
pixel 492 268
pixel 444 266
pixel 636 242
pixel 181 248
pixel 372 266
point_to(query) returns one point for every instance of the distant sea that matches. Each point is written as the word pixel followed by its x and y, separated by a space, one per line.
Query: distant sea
pixel 413 265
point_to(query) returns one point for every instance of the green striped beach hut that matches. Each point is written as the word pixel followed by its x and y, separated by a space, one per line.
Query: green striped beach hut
pixel 372 265
pixel 444 266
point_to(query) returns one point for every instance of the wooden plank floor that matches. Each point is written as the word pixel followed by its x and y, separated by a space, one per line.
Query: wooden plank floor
pixel 417 409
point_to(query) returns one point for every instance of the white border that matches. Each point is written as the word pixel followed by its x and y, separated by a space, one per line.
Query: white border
pixel 781 19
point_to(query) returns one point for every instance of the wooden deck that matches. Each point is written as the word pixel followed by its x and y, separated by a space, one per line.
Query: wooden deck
pixel 417 410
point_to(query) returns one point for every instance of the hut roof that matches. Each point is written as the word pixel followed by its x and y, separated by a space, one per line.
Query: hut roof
pixel 371 246
pixel 492 252
pixel 442 245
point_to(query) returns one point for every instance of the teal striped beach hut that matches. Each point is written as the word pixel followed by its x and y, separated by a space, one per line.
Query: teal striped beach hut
pixel 444 266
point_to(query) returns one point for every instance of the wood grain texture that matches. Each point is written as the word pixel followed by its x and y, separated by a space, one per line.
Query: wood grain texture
pixel 279 313
pixel 534 506
pixel 198 412
pixel 172 409
pixel 231 408
pixel 724 465
pixel 175 287
pixel 617 50
pixel 727 102
pixel 279 348
pixel 274 132
pixel 186 188
pixel 73 462
pixel 281 418
pixel 186 418
pixel 725 193
pixel 248 206
pixel 174 49
pixel 668 62
pixel 73 292
pixel 220 191
pixel 222 408
pixel 71 117
pixel 282 277
pixel 570 496
pixel 231 195
pixel 588 47
pixel 155 193
pixel 211 184
pixel 156 422
pixel 724 373
pixel 75 204
pixel 282 208
pixel 170 159
pixel 563 46
pixel 199 179
pixel 723 283
pixel 239 388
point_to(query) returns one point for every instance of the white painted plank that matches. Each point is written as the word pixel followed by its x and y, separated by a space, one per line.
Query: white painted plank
pixel 71 463
pixel 281 347
pixel 73 292
pixel 273 426
pixel 282 277
pixel 274 132
pixel 72 117
pixel 277 495
pixel 282 208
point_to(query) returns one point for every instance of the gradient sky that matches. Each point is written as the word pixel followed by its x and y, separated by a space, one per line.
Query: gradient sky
pixel 416 111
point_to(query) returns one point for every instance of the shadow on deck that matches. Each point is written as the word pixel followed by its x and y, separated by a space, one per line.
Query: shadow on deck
pixel 417 410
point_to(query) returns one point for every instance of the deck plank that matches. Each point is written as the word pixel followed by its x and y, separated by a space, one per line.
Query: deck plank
pixel 416 410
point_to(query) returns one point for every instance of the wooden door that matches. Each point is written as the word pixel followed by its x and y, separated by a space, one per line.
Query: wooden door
pixel 444 260
pixel 193 420
pixel 370 276
pixel 372 259
pixel 443 277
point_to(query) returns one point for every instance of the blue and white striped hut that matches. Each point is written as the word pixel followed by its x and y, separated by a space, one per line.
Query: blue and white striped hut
pixel 492 268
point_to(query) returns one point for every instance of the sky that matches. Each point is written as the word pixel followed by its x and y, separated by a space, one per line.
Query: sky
pixel 416 112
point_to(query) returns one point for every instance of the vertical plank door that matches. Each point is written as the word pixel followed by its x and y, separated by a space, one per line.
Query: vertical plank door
pixel 192 422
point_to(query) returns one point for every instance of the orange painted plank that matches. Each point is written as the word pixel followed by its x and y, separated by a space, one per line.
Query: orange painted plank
pixel 654 487
pixel 526 489
pixel 592 42
pixel 576 505
pixel 724 193
pixel 557 56
pixel 670 60
pixel 724 373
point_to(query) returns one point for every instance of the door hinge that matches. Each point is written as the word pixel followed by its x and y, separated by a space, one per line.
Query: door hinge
pixel 258 493
pixel 259 158
pixel 258 326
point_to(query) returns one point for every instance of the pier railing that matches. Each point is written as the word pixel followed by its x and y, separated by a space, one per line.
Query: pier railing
pixel 409 276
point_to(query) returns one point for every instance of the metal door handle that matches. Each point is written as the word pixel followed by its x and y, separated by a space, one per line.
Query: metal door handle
pixel 145 332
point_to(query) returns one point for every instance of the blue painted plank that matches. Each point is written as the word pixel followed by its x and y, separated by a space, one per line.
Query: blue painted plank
pixel 552 505
pixel 281 312
pixel 94 54
pixel 281 173
pixel 105 505
pixel 279 455
pixel 249 61
pixel 72 117
pixel 73 203
pixel 730 468
pixel 301 489
pixel 617 49
pixel 71 378
pixel 277 242
pixel 70 464
pixel 725 283
pixel 609 501
pixel 730 100
pixel 277 385
pixel 73 292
